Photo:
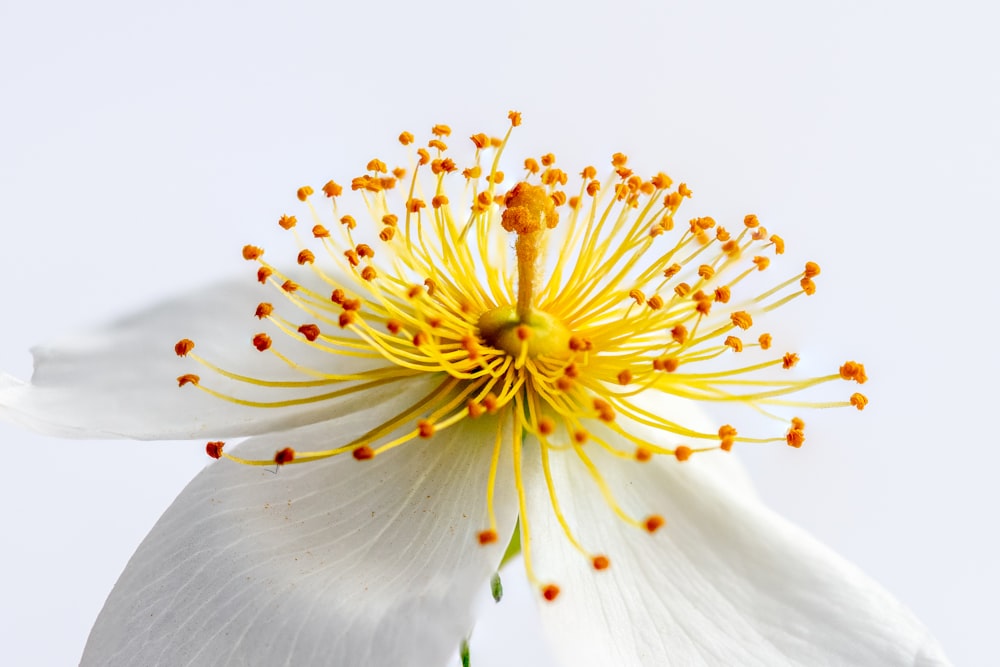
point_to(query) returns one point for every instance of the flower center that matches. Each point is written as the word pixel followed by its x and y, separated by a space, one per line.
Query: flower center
pixel 538 335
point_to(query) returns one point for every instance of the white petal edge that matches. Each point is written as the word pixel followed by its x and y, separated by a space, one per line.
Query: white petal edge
pixel 725 581
pixel 120 380
pixel 337 562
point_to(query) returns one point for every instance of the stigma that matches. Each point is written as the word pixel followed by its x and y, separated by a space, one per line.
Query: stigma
pixel 608 297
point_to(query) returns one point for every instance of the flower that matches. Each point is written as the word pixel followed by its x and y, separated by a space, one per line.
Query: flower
pixel 413 395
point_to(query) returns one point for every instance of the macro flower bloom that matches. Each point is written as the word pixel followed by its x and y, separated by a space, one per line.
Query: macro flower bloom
pixel 452 359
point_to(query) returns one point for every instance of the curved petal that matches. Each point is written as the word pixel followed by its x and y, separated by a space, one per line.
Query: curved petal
pixel 337 562
pixel 121 380
pixel 725 581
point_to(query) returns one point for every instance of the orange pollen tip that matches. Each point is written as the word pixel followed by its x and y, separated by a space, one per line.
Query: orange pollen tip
pixel 183 346
pixel 214 449
pixel 283 456
pixel 491 403
pixel 405 138
pixel 798 423
pixel 654 522
pixel 425 428
pixel 310 331
pixel 859 401
pixel 188 378
pixel 852 370
pixel 735 343
pixel 808 286
pixel 765 341
pixel 475 409
pixel 262 342
pixel 419 339
pixel 349 221
pixel 601 562
pixel 305 257
pixel 812 270
pixel 363 453
pixel 742 319
pixel 550 592
pixel 332 189
pixel 624 377
pixel 263 310
pixel 751 221
pixel 682 453
pixel 643 454
pixel 287 221
pixel 761 262
pixel 289 286
pixel 546 426
pixel 251 252
pixel 515 120
pixel 346 319
pixel 679 333
pixel 727 431
pixel 487 537
pixel 368 273
pixel 789 360
pixel 263 273
pixel 523 332
pixel 580 437
pixel 604 410
pixel 655 302
pixel 304 192
pixel 795 437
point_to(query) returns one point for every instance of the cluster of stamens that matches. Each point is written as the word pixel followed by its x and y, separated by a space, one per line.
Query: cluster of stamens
pixel 632 302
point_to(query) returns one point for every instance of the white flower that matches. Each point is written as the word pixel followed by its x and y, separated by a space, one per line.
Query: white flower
pixel 410 397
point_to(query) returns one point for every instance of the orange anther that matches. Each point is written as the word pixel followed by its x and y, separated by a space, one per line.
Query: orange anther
pixel 798 423
pixel 214 448
pixel 352 257
pixel 588 172
pixel 183 346
pixel 480 140
pixel 548 160
pixel 672 270
pixel 604 410
pixel 346 319
pixel 523 332
pixel 320 232
pixel 188 378
pixel 546 426
pixel 655 302
pixel 305 257
pixel 564 383
pixel 654 522
pixel 761 262
pixel 852 370
pixel 439 200
pixel 722 234
pixel 472 172
pixel 283 456
pixel 682 452
pixel 338 296
pixel 684 191
pixel 735 343
pixel 637 294
pixel 667 364
pixel 515 118
pixel 722 294
pixel 661 181
pixel 682 289
pixel 419 339
pixel 424 156
pixel 261 341
pixel 795 437
pixel 624 376
pixel 619 160
pixel 263 273
pixel 251 252
pixel 679 333
pixel 441 130
pixel 474 409
pixel 394 326
pixel 414 205
pixel 789 360
pixel 859 401
pixel 487 536
pixel 741 319
pixel 731 248
pixel 309 331
pixel 779 244
pixel 705 272
pixel 363 453
pixel 437 144
pixel 425 428
pixel 580 437
pixel 550 592
pixel 643 453
pixel 304 192
pixel 808 286
pixel 364 250
pixel 389 219
pixel 491 402
pixel 812 270
pixel 332 189
pixel 750 221
pixel 765 341
pixel 496 177
pixel 289 286
pixel 601 562
pixel 430 285
pixel 405 138
pixel 349 222
pixel 368 273
pixel 387 233
pixel 287 221
pixel 263 310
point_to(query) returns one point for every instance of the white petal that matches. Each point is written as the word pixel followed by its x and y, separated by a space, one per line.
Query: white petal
pixel 121 380
pixel 337 562
pixel 724 582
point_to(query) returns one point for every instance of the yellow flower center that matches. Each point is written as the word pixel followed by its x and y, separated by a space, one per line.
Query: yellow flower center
pixel 628 302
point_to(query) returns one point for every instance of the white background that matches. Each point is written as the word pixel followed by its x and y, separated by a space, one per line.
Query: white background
pixel 142 146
